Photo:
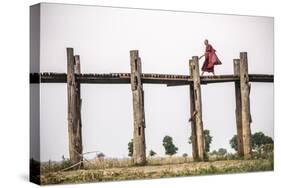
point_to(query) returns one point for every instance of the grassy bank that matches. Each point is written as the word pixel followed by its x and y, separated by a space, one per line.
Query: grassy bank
pixel 158 168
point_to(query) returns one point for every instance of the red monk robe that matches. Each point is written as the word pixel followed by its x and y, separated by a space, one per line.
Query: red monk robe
pixel 211 59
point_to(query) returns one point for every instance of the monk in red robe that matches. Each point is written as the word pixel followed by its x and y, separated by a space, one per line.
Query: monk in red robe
pixel 211 59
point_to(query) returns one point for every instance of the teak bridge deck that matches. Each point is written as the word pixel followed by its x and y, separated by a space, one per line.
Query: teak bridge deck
pixel 136 78
pixel 146 78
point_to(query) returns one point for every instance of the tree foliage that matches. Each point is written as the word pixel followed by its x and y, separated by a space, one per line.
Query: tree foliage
pixel 208 140
pixel 130 148
pixel 258 140
pixel 170 148
pixel 214 152
pixel 233 142
pixel 222 151
pixel 152 153
pixel 100 155
pixel 268 148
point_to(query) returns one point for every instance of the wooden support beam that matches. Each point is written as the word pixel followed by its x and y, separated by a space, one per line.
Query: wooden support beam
pixel 192 118
pixel 139 154
pixel 78 136
pixel 74 139
pixel 245 105
pixel 236 67
pixel 198 107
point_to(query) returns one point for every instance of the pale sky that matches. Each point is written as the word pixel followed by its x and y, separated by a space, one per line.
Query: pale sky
pixel 166 40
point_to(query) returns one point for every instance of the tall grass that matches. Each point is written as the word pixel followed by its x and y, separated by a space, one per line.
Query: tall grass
pixel 105 163
pixel 192 169
pixel 156 167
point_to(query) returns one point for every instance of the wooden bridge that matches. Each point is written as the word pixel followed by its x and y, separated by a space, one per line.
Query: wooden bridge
pixel 146 78
pixel 136 78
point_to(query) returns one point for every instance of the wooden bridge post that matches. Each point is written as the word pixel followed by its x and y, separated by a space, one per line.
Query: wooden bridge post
pixel 192 119
pixel 77 71
pixel 245 105
pixel 198 107
pixel 139 154
pixel 75 141
pixel 236 67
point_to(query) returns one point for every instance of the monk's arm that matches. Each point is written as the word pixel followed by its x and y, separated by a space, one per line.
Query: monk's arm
pixel 201 56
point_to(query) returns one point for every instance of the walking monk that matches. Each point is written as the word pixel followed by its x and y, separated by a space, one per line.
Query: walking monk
pixel 211 59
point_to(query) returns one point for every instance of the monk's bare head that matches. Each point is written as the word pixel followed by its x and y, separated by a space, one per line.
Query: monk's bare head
pixel 206 42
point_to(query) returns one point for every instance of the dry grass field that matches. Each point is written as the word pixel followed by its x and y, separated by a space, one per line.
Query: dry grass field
pixel 99 170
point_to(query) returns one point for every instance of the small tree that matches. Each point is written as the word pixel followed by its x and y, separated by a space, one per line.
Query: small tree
pixel 214 152
pixel 185 157
pixel 233 142
pixel 100 155
pixel 267 148
pixel 170 148
pixel 152 153
pixel 208 140
pixel 258 140
pixel 222 151
pixel 130 148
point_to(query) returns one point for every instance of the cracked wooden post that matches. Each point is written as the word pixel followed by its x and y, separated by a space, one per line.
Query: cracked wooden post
pixel 245 105
pixel 192 119
pixel 236 67
pixel 74 139
pixel 139 154
pixel 78 136
pixel 198 108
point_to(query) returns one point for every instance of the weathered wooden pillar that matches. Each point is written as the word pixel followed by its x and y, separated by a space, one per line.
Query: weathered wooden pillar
pixel 245 105
pixel 78 142
pixel 139 155
pixel 198 108
pixel 75 140
pixel 236 67
pixel 192 117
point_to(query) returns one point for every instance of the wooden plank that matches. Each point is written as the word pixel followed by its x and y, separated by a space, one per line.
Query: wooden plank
pixel 198 108
pixel 236 67
pixel 139 153
pixel 245 105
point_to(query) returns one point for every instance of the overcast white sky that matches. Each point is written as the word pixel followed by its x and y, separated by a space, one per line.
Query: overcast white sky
pixel 166 40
